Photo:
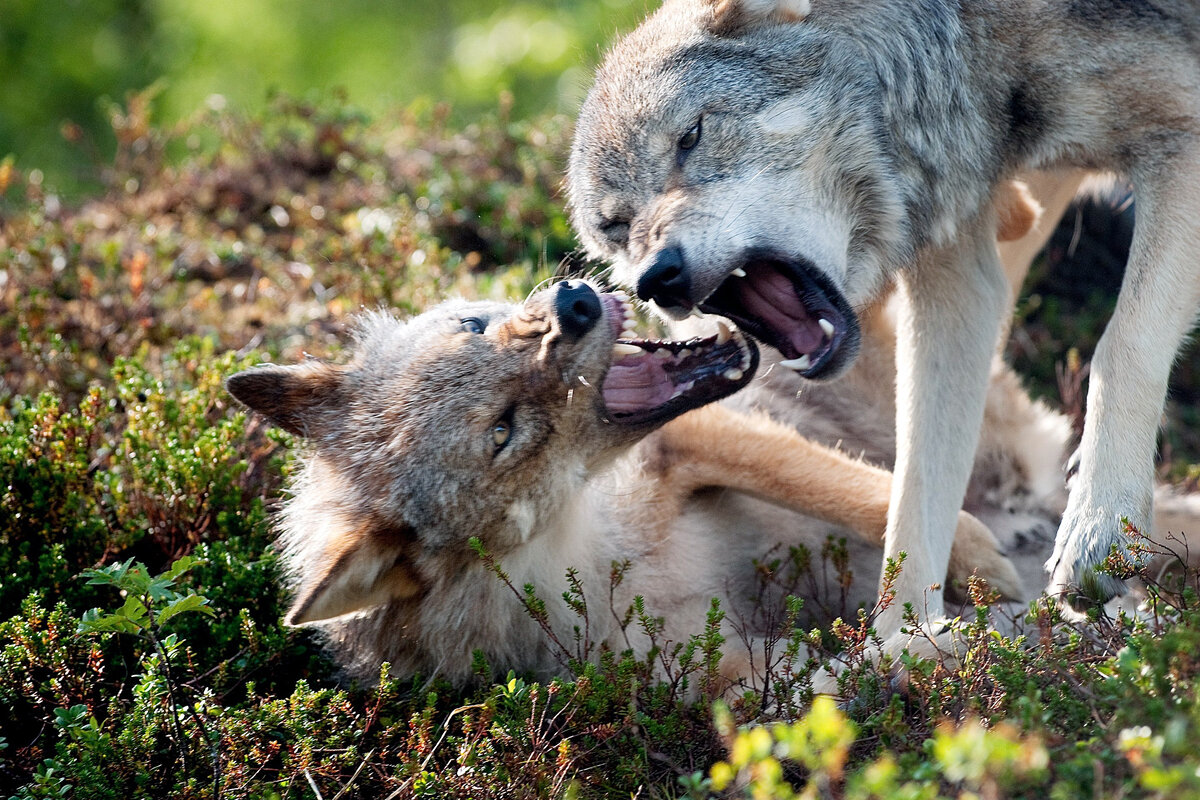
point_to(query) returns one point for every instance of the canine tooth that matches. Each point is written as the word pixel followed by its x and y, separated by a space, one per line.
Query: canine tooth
pixel 826 326
pixel 738 272
pixel 797 363
pixel 733 374
pixel 723 332
pixel 622 349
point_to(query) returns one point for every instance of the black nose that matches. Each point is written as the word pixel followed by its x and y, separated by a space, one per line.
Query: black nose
pixel 578 308
pixel 666 282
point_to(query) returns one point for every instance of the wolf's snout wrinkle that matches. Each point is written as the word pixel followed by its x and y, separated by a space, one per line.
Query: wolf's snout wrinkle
pixel 578 308
pixel 666 282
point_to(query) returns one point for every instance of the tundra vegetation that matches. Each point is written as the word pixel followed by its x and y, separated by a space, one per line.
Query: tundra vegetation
pixel 141 653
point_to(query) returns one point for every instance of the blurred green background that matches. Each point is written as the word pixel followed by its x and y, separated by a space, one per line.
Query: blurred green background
pixel 63 63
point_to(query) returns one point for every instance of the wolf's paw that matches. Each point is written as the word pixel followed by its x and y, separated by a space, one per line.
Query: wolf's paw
pixel 1085 542
pixel 936 640
pixel 977 552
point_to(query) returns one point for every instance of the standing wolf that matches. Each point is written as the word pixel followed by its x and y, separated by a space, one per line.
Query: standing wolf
pixel 780 162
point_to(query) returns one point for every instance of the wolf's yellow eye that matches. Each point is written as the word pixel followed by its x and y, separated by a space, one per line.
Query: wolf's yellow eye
pixel 500 433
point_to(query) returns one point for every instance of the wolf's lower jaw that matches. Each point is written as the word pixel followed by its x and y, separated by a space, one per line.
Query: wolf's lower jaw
pixel 646 374
pixel 650 380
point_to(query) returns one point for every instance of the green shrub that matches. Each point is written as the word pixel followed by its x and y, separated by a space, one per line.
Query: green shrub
pixel 147 465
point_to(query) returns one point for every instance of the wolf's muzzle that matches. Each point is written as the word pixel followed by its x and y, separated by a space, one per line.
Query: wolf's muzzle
pixel 578 308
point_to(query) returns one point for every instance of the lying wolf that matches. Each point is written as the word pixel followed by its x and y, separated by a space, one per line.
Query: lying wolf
pixel 560 442
pixel 780 162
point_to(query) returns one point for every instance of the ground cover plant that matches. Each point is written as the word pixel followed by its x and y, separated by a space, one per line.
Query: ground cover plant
pixel 141 653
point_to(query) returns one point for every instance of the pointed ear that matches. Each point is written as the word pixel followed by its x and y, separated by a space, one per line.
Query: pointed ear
pixel 365 571
pixel 289 397
pixel 731 17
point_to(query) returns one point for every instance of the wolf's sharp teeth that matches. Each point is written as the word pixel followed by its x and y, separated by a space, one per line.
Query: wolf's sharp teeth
pixel 733 374
pixel 684 353
pixel 826 326
pixel 802 362
pixel 628 324
pixel 622 349
pixel 738 272
pixel 741 343
pixel 723 332
pixel 663 354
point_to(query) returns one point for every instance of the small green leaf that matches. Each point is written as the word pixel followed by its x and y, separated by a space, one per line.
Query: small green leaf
pixel 181 566
pixel 112 575
pixel 96 622
pixel 191 602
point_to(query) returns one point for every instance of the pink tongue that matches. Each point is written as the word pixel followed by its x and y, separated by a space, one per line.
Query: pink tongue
pixel 636 384
pixel 771 297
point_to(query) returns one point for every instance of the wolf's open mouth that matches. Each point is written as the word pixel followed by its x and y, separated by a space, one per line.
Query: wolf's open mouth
pixel 792 307
pixel 650 380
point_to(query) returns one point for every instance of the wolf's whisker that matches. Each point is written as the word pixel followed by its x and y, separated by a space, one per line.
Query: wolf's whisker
pixel 537 287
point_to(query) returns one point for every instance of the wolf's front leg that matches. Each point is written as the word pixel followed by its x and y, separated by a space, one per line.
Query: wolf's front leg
pixel 1156 308
pixel 952 300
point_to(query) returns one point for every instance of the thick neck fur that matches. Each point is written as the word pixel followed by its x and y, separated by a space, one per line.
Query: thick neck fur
pixel 975 91
pixel 936 118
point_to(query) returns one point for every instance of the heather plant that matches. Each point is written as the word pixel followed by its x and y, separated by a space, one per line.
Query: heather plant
pixel 149 465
